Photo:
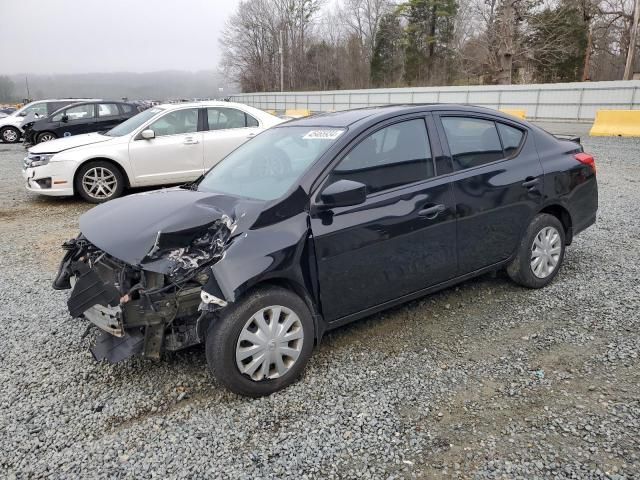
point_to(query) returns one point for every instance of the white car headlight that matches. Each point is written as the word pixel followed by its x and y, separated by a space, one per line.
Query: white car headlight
pixel 34 160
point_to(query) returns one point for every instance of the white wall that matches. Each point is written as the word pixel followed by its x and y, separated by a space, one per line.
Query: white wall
pixel 552 101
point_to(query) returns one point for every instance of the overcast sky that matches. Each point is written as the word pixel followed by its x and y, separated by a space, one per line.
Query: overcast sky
pixel 75 36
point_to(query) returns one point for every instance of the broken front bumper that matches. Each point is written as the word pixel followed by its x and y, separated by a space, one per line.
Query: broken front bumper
pixel 137 313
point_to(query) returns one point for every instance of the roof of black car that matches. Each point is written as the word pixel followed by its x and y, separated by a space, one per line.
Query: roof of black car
pixel 346 118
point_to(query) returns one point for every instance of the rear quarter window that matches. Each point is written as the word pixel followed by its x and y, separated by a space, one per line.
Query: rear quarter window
pixel 511 138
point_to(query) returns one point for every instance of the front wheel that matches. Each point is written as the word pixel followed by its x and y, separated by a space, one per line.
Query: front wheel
pixel 10 134
pixel 99 181
pixel 262 343
pixel 540 253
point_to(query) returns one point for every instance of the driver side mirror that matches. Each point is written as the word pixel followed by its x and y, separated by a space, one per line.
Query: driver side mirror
pixel 148 134
pixel 343 193
pixel 22 114
pixel 65 118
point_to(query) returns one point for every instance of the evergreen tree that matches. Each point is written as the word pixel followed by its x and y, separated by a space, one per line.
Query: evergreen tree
pixel 428 36
pixel 387 60
pixel 557 43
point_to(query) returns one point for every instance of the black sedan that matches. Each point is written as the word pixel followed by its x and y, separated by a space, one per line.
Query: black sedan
pixel 321 221
pixel 85 117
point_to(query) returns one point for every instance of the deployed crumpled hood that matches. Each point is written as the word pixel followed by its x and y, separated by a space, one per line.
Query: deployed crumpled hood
pixel 65 143
pixel 127 228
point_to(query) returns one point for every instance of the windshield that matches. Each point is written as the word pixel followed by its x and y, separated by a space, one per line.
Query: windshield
pixel 267 166
pixel 134 122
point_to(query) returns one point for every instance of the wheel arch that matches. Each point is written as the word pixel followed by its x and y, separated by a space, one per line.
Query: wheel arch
pixel 299 290
pixel 561 213
pixel 115 163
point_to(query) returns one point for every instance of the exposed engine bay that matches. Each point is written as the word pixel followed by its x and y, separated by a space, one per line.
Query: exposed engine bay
pixel 155 305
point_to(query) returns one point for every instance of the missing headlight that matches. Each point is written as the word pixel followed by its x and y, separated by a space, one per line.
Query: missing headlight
pixel 187 251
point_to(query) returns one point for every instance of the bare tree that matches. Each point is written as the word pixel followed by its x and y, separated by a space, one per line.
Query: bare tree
pixel 628 68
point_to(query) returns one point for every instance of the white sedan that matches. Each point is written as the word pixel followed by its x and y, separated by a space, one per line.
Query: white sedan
pixel 167 144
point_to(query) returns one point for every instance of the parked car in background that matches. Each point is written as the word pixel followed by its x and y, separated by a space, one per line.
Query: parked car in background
pixel 6 111
pixel 85 117
pixel 168 144
pixel 11 126
pixel 319 222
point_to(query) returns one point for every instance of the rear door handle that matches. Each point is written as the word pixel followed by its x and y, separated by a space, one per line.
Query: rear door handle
pixel 252 134
pixel 432 212
pixel 530 182
pixel 190 141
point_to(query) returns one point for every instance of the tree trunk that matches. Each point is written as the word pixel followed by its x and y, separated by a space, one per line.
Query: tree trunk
pixel 631 53
pixel 505 52
pixel 586 74
pixel 432 30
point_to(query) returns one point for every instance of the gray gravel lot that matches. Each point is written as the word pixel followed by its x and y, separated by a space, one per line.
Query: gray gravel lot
pixel 485 380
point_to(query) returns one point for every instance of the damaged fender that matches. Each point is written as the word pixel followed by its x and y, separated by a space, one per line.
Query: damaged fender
pixel 272 250
pixel 151 279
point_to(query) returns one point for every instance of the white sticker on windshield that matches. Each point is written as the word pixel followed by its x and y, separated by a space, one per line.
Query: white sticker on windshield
pixel 323 134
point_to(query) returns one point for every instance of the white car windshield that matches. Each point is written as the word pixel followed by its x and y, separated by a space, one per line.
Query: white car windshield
pixel 265 167
pixel 134 122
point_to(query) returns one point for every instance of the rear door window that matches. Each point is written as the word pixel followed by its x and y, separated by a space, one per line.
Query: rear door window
pixel 226 118
pixel 472 141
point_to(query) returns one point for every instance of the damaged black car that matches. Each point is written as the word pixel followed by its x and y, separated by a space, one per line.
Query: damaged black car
pixel 321 221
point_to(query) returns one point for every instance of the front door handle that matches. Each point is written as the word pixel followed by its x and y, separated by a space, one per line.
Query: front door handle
pixel 432 212
pixel 531 182
pixel 190 141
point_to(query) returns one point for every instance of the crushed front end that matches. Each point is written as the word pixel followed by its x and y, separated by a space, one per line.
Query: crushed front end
pixel 150 307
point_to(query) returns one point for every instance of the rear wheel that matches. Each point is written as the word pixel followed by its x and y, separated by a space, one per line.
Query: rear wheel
pixel 10 134
pixel 99 181
pixel 45 137
pixel 540 253
pixel 262 343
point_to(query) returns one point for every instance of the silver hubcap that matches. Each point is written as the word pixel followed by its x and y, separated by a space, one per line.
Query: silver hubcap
pixel 269 343
pixel 46 137
pixel 545 252
pixel 99 182
pixel 10 135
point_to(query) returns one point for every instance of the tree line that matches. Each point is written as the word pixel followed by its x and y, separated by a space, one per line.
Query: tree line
pixel 321 45
pixel 160 85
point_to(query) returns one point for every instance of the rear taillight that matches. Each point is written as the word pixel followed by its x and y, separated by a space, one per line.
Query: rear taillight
pixel 587 160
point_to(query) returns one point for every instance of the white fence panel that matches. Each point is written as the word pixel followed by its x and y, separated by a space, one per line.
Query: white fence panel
pixel 559 101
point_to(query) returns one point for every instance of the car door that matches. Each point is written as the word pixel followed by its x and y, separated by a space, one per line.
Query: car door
pixel 75 120
pixel 174 155
pixel 226 129
pixel 402 239
pixel 496 182
pixel 108 117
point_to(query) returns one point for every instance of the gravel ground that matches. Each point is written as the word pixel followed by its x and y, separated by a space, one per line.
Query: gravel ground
pixel 485 380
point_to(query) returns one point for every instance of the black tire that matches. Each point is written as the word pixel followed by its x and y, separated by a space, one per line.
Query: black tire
pixel 224 333
pixel 41 137
pixel 10 135
pixel 520 269
pixel 98 164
